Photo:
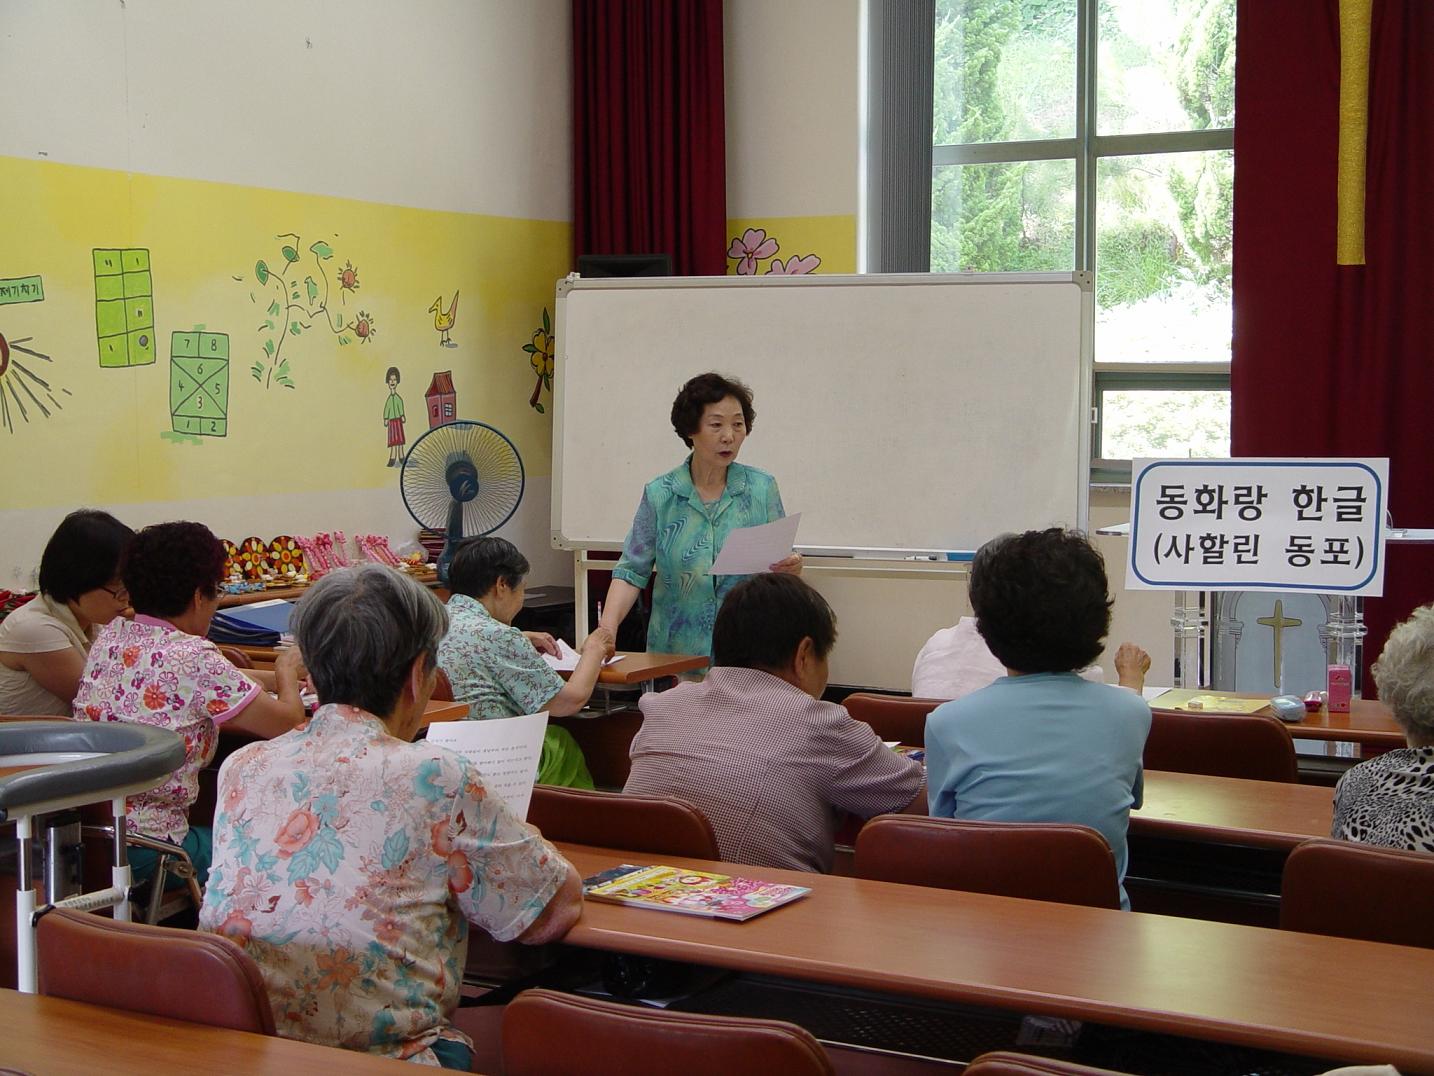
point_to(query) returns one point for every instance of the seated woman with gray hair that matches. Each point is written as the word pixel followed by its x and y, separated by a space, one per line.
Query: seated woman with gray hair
pixel 349 860
pixel 1389 800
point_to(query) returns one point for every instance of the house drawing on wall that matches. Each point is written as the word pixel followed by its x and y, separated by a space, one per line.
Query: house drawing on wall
pixel 442 399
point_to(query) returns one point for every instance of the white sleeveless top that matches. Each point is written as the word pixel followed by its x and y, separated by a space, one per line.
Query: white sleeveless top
pixel 41 626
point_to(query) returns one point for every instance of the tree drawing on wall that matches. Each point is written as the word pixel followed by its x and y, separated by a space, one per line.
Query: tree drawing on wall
pixel 299 290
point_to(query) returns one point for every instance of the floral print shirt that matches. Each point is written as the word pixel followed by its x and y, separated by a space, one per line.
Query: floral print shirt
pixel 492 666
pixel 681 536
pixel 348 862
pixel 148 671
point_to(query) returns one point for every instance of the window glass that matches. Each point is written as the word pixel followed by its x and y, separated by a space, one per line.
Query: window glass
pixel 1163 242
pixel 1005 70
pixel 1166 65
pixel 1164 423
pixel 1003 217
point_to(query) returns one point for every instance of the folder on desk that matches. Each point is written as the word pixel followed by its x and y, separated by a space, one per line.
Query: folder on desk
pixel 271 616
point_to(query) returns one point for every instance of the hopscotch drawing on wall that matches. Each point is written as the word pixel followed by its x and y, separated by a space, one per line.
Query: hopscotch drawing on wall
pixel 124 307
pixel 199 383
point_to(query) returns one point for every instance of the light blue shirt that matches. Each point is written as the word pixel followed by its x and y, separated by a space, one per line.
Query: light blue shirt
pixel 1045 747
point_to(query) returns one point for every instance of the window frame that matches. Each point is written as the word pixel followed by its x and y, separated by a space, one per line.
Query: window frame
pixel 1086 149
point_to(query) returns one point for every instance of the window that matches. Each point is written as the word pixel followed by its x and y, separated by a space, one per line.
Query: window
pixel 1098 134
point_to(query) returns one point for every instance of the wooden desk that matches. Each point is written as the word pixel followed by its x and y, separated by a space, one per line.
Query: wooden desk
pixel 52 1035
pixel 1227 810
pixel 437 711
pixel 1368 722
pixel 640 668
pixel 1327 997
pixel 290 594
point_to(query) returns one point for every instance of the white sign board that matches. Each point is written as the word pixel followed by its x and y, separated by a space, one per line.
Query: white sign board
pixel 1314 525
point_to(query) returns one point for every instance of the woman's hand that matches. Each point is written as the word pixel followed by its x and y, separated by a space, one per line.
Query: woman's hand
pixel 542 642
pixel 791 565
pixel 1131 665
pixel 600 639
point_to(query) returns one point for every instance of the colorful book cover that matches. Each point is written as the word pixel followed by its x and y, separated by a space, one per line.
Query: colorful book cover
pixel 677 889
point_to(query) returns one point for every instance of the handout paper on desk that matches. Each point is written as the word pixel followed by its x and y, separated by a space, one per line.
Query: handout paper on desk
pixel 504 750
pixel 753 550
pixel 568 658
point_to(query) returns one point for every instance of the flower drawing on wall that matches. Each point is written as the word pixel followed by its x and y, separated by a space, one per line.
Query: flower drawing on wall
pixel 754 246
pixel 749 248
pixel 540 357
pixel 795 266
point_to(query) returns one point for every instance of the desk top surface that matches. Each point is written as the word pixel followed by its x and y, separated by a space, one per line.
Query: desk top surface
pixel 1368 721
pixel 637 667
pixel 1262 814
pixel 54 1035
pixel 1329 997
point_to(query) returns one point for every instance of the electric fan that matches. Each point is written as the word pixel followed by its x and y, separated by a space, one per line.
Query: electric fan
pixel 463 476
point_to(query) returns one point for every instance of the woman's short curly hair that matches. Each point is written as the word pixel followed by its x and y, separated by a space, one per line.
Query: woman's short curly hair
pixel 167 563
pixel 697 394
pixel 1404 674
pixel 1040 600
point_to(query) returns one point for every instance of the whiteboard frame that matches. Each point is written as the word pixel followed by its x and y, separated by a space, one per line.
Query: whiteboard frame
pixel 1084 280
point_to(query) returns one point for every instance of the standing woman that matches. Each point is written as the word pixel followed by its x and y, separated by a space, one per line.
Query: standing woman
pixel 686 515
pixel 44 643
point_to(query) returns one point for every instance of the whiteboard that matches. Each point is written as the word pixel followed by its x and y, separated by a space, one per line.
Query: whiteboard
pixel 897 412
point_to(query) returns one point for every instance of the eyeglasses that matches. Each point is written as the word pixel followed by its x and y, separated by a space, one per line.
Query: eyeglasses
pixel 119 593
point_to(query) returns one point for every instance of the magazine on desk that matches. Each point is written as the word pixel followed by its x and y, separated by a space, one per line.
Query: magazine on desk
pixel 691 892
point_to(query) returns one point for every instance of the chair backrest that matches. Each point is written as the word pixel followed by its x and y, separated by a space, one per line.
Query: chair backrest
pixel 655 825
pixel 236 657
pixel 546 1033
pixel 893 717
pixel 1010 1063
pixel 1359 891
pixel 443 689
pixel 159 971
pixel 1055 861
pixel 1253 746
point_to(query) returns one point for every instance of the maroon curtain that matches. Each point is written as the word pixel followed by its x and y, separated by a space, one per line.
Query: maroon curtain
pixel 1330 359
pixel 649 141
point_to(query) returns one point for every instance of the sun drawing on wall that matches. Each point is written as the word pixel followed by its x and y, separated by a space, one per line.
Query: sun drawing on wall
pixel 17 378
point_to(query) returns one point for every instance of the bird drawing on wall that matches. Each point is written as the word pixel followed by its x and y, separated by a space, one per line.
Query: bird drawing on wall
pixel 443 322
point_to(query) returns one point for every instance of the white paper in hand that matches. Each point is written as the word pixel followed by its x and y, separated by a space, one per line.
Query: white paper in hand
pixel 753 550
pixel 568 658
pixel 505 752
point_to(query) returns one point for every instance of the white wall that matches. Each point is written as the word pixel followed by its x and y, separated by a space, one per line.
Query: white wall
pixel 792 123
pixel 440 104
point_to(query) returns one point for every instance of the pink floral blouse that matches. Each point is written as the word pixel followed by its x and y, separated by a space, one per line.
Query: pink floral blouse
pixel 348 863
pixel 148 671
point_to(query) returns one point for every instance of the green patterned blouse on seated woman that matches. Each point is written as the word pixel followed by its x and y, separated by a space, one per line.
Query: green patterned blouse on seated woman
pixel 492 667
pixel 679 535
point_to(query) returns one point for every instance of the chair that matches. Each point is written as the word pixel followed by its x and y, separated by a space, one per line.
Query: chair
pixel 1256 747
pixel 1053 861
pixel 546 1033
pixel 236 657
pixel 654 825
pixel 893 717
pixel 159 971
pixel 443 689
pixel 1360 891
pixel 1010 1063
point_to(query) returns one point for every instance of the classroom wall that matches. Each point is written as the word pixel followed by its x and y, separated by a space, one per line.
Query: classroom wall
pixel 792 134
pixel 292 186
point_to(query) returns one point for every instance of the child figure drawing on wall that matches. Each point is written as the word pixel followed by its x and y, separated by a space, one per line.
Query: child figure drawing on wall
pixel 393 417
